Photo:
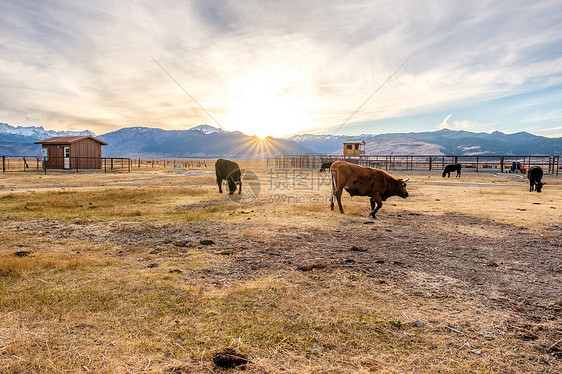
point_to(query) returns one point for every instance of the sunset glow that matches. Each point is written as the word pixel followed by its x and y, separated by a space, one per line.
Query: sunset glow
pixel 266 105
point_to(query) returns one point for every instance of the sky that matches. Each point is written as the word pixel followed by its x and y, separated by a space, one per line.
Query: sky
pixel 280 68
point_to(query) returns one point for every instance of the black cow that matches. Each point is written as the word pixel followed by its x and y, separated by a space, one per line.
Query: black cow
pixel 535 175
pixel 229 171
pixel 326 166
pixel 450 168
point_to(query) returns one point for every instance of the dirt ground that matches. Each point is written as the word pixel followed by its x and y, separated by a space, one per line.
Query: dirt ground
pixel 500 282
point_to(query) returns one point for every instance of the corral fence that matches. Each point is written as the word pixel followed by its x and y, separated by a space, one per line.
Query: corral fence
pixel 516 164
pixel 92 164
pixel 62 164
pixel 176 163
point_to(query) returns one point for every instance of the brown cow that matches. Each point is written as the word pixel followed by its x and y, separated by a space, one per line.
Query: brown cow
pixel 364 181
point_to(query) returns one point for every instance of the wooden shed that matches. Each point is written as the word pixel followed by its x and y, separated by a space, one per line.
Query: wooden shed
pixel 353 147
pixel 72 152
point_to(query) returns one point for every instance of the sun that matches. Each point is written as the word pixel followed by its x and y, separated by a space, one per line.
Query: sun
pixel 267 105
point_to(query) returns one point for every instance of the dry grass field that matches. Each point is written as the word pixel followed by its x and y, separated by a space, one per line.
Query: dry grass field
pixel 156 272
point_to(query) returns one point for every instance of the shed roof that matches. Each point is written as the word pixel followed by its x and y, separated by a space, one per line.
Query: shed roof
pixel 354 141
pixel 69 139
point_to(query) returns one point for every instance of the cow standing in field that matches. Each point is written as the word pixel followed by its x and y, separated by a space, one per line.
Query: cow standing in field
pixel 364 181
pixel 454 167
pixel 325 166
pixel 229 171
pixel 535 175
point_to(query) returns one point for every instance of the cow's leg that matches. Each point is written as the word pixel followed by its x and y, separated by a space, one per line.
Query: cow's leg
pixel 373 207
pixel 219 182
pixel 531 184
pixel 338 198
pixel 240 187
pixel 378 201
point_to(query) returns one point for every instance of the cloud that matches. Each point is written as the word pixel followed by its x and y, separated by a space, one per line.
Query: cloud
pixel 64 62
pixel 551 132
pixel 444 124
pixel 549 116
pixel 456 125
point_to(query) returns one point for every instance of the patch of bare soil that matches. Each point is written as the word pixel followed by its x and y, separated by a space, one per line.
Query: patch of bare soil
pixel 507 269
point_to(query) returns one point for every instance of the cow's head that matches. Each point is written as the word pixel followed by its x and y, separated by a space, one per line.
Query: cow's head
pixel 232 185
pixel 402 188
pixel 234 181
pixel 538 186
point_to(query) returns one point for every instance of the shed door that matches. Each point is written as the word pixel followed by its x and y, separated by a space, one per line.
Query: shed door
pixel 67 157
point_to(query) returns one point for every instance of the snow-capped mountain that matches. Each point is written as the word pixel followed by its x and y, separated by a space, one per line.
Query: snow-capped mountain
pixel 21 134
pixel 324 144
pixel 206 129
pixel 402 145
pixel 206 141
pixel 447 142
pixel 200 142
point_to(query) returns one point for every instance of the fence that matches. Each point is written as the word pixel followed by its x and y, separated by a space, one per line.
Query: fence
pixel 550 164
pixel 168 163
pixel 105 164
pixel 38 164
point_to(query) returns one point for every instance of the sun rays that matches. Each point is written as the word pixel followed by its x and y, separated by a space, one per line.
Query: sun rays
pixel 266 104
pixel 257 147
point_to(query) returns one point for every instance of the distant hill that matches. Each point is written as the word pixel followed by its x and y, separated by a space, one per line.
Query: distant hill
pixel 445 142
pixel 199 142
pixel 206 141
pixel 402 145
pixel 202 141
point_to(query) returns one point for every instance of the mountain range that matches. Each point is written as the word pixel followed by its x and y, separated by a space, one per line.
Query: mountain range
pixel 201 141
pixel 206 141
pixel 442 142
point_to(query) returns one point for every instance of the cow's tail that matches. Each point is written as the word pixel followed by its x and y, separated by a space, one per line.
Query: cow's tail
pixel 333 189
